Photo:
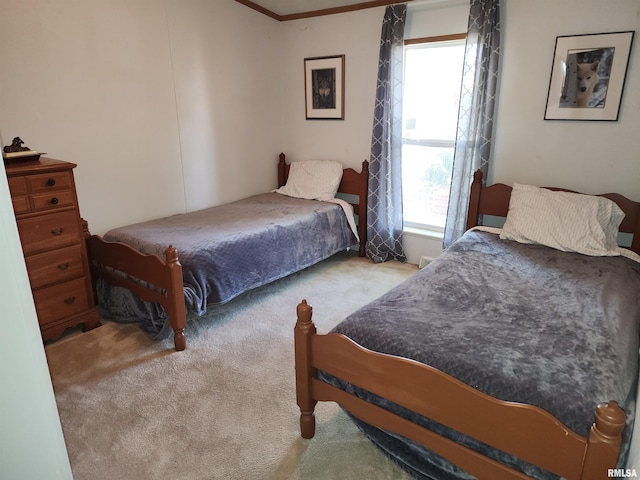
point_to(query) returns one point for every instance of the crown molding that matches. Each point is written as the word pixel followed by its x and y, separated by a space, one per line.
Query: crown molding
pixel 319 13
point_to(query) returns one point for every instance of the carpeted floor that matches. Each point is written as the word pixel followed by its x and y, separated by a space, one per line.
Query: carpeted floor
pixel 225 408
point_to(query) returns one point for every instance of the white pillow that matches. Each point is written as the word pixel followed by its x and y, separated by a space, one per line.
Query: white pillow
pixel 313 180
pixel 571 222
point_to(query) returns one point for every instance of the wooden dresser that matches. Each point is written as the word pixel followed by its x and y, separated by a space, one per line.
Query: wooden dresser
pixel 51 232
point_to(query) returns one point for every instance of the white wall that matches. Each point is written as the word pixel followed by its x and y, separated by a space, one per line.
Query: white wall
pixel 92 83
pixel 357 36
pixel 31 435
pixel 440 18
pixel 593 157
pixel 226 65
pixel 147 97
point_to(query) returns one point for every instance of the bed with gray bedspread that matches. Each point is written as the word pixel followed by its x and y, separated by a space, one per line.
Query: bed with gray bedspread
pixel 227 250
pixel 520 322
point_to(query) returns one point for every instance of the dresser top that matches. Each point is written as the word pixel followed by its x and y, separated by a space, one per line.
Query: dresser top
pixel 43 165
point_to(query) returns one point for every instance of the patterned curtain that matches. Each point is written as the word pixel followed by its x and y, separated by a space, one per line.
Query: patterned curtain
pixel 384 215
pixel 475 117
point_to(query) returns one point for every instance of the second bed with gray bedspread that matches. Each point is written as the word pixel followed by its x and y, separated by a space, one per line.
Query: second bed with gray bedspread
pixel 520 322
pixel 229 249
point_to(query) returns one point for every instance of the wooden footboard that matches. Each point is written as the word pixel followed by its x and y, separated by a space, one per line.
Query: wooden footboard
pixel 148 276
pixel 524 431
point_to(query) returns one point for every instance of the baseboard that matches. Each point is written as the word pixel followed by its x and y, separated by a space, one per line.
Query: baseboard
pixel 424 261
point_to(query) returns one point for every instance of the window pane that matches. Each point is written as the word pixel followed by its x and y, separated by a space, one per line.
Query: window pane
pixel 432 90
pixel 433 74
pixel 426 181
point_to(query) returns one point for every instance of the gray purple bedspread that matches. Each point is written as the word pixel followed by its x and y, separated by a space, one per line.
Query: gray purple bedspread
pixel 229 249
pixel 520 322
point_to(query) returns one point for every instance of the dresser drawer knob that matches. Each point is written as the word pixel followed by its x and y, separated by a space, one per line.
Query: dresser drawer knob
pixel 63 266
pixel 54 201
pixel 57 231
pixel 69 300
pixel 51 182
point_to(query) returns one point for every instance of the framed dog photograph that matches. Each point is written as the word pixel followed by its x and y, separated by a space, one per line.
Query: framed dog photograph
pixel 587 76
pixel 324 88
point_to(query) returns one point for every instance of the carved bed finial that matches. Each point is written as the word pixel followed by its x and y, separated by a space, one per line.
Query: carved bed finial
pixel 304 311
pixel 610 419
pixel 171 254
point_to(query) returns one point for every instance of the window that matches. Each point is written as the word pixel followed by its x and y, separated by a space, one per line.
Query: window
pixel 432 79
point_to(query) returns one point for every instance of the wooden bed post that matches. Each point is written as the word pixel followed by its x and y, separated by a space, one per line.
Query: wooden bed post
pixel 605 438
pixel 282 176
pixel 474 200
pixel 364 197
pixel 94 278
pixel 303 333
pixel 177 310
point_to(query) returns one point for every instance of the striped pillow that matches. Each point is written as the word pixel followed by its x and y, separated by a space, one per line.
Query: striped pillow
pixel 571 222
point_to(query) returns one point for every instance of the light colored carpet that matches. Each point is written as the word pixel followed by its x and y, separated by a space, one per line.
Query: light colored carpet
pixel 225 408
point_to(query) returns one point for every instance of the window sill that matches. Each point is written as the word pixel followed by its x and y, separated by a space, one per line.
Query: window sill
pixel 423 233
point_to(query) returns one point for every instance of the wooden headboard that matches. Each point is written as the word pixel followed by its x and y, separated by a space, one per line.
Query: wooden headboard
pixel 352 183
pixel 494 200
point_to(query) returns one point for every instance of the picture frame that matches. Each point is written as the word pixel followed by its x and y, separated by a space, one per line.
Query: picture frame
pixel 324 87
pixel 588 75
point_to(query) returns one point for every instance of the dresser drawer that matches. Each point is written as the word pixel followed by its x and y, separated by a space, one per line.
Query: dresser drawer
pixel 49 181
pixel 53 199
pixel 17 186
pixel 20 205
pixel 48 232
pixel 55 266
pixel 59 301
pixel 19 198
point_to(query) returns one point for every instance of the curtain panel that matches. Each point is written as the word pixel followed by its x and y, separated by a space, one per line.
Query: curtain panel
pixel 384 215
pixel 475 117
